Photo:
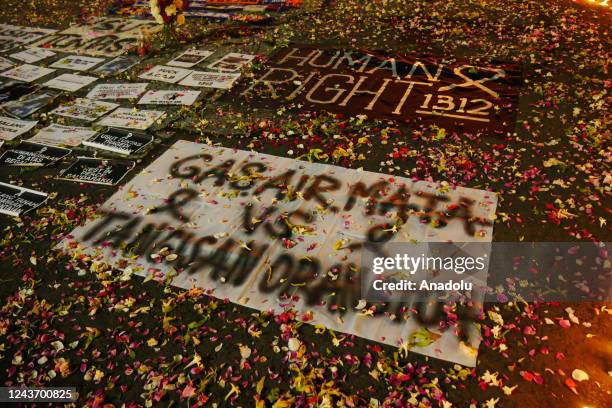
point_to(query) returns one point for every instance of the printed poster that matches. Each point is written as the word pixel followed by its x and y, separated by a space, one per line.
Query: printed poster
pixel 77 63
pixel 115 66
pixel 27 105
pixel 218 80
pixel 27 73
pixel 70 82
pixel 165 74
pixel 118 91
pixel 85 109
pixel 132 118
pixel 186 98
pixel 32 55
pixel 11 128
pixel 29 154
pixel 96 171
pixel 62 135
pixel 190 58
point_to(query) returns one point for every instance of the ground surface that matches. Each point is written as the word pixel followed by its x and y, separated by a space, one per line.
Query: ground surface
pixel 68 322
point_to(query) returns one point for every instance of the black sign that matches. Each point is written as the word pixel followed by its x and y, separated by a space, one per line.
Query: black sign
pixel 97 171
pixel 16 201
pixel 119 141
pixel 33 154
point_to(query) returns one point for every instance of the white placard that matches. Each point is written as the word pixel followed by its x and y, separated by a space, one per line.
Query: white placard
pixel 11 128
pixel 165 74
pixel 169 98
pixel 31 55
pixel 232 62
pixel 70 82
pixel 190 58
pixel 219 80
pixel 27 73
pixel 77 63
pixel 252 227
pixel 117 91
pixel 85 109
pixel 60 135
pixel 132 118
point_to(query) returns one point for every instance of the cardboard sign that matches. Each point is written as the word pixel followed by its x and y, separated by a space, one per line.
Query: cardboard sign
pixel 219 80
pixel 29 104
pixel 11 128
pixel 77 63
pixel 70 82
pixel 420 90
pixel 190 58
pixel 97 171
pixel 85 109
pixel 131 118
pixel 61 135
pixel 27 73
pixel 259 229
pixel 116 66
pixel 16 201
pixel 14 36
pixel 232 62
pixel 120 141
pixel 165 74
pixel 108 37
pixel 117 91
pixel 32 55
pixel 169 98
pixel 32 154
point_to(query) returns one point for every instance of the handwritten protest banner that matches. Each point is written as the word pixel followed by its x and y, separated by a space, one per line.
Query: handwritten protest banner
pixel 419 90
pixel 108 37
pixel 267 232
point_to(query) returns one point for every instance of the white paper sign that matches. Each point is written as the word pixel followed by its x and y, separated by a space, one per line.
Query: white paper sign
pixel 70 82
pixel 60 135
pixel 257 229
pixel 117 91
pixel 31 55
pixel 27 73
pixel 232 62
pixel 165 74
pixel 190 58
pixel 11 128
pixel 219 80
pixel 131 118
pixel 85 109
pixel 77 63
pixel 169 98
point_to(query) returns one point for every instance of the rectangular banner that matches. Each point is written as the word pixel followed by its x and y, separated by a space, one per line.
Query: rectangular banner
pixel 421 91
pixel 109 37
pixel 61 135
pixel 14 36
pixel 268 232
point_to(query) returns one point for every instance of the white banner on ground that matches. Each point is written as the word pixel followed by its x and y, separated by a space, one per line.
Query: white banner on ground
pixel 108 37
pixel 267 232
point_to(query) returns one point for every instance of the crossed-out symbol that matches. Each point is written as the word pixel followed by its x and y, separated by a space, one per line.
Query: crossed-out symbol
pixel 499 73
